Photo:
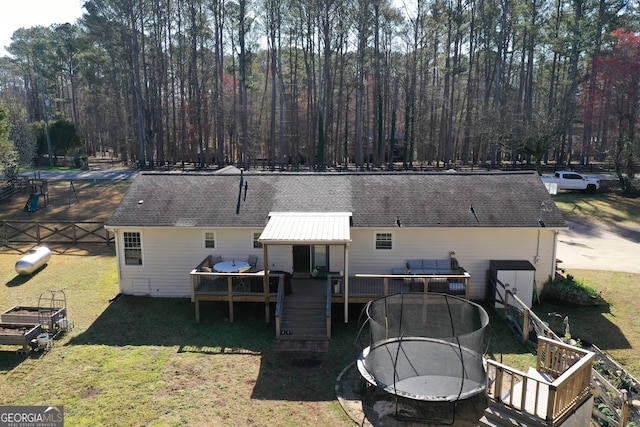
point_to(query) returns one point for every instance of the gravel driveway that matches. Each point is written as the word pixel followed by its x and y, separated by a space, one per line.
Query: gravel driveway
pixel 588 245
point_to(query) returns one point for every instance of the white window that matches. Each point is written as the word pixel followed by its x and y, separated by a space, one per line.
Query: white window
pixel 210 239
pixel 132 248
pixel 384 241
pixel 256 244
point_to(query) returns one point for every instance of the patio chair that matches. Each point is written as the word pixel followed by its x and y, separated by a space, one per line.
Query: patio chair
pixel 253 262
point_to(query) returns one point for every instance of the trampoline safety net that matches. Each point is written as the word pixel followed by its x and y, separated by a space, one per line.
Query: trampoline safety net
pixel 425 346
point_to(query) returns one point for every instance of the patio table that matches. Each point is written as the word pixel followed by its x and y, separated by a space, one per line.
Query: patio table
pixel 232 266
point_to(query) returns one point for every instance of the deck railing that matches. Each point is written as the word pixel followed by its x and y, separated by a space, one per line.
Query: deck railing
pixel 363 287
pixel 328 309
pixel 279 305
pixel 231 287
pixel 561 383
pixel 526 323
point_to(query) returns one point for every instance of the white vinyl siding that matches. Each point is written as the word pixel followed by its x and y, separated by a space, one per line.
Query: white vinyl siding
pixel 171 253
pixel 474 248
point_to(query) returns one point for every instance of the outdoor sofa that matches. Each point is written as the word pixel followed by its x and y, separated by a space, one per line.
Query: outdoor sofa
pixel 434 267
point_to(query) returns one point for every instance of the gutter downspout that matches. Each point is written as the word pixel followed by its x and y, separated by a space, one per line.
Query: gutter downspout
pixel 555 254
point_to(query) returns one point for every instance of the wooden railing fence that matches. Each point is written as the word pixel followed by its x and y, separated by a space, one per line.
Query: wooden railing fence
pixel 54 232
pixel 8 189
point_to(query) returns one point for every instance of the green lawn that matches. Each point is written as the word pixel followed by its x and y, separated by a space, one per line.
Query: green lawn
pixel 145 361
pixel 610 208
pixel 615 327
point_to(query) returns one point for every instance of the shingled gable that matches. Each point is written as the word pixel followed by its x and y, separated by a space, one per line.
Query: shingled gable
pixel 475 200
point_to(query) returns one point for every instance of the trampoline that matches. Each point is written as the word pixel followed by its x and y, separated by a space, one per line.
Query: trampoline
pixel 425 347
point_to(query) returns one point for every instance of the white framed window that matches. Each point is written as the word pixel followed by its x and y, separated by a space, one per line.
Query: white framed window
pixel 209 239
pixel 132 243
pixel 255 244
pixel 383 241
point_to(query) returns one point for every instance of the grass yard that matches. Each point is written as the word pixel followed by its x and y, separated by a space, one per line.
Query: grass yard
pixel 614 328
pixel 609 209
pixel 145 361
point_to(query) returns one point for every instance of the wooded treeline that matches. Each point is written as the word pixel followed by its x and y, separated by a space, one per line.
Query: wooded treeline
pixel 325 83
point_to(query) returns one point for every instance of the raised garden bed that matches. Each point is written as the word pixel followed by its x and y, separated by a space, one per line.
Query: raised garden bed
pixel 50 317
pixel 18 333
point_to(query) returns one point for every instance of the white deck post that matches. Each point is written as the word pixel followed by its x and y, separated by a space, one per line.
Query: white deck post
pixel 265 282
pixel 346 283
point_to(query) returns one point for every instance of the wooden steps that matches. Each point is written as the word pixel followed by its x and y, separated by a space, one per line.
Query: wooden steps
pixel 304 314
pixel 495 416
pixel 499 414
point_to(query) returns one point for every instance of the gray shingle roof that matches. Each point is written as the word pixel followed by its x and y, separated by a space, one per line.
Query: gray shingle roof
pixel 491 199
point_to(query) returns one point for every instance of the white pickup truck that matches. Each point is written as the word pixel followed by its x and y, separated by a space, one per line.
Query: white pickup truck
pixel 566 180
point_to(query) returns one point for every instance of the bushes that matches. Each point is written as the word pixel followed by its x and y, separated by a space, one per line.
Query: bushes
pixel 564 290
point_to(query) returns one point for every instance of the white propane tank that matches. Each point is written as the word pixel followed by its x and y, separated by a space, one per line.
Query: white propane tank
pixel 33 260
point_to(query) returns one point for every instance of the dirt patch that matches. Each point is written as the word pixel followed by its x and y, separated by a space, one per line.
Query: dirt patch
pixel 77 201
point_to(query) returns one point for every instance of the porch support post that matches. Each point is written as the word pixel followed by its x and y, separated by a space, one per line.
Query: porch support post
pixel 346 283
pixel 265 282
pixel 230 293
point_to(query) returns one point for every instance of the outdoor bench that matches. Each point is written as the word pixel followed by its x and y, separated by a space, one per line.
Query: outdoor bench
pixel 429 266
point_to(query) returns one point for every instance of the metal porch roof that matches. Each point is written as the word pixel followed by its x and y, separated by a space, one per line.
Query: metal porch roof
pixel 307 227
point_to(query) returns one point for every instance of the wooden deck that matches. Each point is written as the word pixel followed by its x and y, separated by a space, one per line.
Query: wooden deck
pixel 209 285
pixel 546 395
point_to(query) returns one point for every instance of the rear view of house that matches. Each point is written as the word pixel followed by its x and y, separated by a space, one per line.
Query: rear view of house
pixel 348 225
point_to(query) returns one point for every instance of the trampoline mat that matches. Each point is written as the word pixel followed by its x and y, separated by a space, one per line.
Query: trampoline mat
pixel 436 387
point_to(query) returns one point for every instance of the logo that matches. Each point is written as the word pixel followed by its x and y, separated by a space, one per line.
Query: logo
pixel 31 416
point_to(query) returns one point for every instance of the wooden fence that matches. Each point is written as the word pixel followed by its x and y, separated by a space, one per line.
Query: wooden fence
pixel 54 232
pixel 8 189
